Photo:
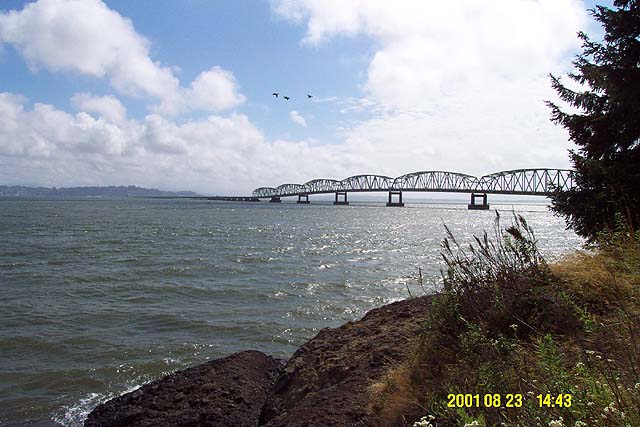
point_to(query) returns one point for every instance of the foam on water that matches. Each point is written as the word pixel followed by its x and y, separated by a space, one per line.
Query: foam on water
pixel 75 415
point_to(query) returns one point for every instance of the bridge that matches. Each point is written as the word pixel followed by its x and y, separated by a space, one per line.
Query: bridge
pixel 535 182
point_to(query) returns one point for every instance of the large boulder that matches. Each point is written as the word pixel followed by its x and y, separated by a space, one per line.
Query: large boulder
pixel 227 392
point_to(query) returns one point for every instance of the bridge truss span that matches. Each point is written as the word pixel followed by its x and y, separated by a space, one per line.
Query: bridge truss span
pixel 527 181
pixel 367 183
pixel 436 181
pixel 263 192
pixel 290 190
pixel 319 186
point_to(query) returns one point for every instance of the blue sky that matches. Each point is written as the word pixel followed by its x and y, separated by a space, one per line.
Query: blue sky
pixel 262 49
pixel 177 94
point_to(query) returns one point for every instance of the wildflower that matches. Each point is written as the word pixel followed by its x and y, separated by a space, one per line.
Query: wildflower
pixel 556 423
pixel 611 408
pixel 424 421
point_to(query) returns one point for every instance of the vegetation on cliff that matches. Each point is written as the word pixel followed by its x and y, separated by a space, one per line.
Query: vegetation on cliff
pixel 507 323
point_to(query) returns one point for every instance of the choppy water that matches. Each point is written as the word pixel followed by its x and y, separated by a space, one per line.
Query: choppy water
pixel 99 296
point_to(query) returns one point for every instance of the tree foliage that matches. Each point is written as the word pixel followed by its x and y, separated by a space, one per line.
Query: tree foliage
pixel 604 123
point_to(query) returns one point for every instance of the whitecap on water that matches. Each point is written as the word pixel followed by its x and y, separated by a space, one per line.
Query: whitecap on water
pixel 74 415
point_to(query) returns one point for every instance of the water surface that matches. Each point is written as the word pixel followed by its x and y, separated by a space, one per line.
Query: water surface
pixel 99 296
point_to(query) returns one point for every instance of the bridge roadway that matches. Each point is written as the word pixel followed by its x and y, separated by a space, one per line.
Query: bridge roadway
pixel 535 182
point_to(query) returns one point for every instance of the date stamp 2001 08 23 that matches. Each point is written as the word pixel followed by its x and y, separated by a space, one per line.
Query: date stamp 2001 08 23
pixel 561 400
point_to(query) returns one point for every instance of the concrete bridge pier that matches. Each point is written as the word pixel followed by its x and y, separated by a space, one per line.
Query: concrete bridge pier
pixel 303 199
pixel 481 207
pixel 391 202
pixel 343 201
pixel 275 199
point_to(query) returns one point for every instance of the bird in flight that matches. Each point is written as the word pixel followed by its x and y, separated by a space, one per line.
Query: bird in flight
pixel 275 94
pixel 309 96
pixel 286 98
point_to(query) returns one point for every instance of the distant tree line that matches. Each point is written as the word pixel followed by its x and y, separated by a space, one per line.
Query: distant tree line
pixel 111 191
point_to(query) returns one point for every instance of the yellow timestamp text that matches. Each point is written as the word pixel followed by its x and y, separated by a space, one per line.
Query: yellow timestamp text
pixel 484 400
pixel 552 401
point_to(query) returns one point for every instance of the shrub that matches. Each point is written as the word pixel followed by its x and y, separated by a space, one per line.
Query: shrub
pixel 504 281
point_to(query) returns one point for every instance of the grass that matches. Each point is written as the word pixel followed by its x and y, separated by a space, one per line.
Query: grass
pixel 506 322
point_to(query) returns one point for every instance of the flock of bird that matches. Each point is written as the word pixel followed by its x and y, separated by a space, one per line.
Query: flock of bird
pixel 286 98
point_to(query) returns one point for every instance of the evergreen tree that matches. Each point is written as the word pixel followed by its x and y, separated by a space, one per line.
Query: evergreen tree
pixel 605 125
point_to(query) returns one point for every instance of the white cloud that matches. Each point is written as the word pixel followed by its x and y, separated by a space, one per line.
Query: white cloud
pixel 108 107
pixel 436 49
pixel 455 85
pixel 212 90
pixel 297 118
pixel 213 155
pixel 86 37
pixel 44 131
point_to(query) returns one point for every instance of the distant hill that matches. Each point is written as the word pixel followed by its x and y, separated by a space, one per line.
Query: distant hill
pixel 112 191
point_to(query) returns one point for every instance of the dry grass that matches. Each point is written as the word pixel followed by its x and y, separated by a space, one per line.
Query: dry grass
pixel 394 397
pixel 600 280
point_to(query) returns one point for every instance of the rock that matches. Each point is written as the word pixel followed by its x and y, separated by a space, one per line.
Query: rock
pixel 227 392
pixel 326 382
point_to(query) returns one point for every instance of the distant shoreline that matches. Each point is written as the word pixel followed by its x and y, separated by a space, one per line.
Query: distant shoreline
pixel 95 191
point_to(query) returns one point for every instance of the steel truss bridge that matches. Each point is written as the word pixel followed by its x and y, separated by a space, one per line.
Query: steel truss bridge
pixel 538 182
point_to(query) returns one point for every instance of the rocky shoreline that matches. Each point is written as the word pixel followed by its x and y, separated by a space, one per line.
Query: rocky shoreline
pixel 325 383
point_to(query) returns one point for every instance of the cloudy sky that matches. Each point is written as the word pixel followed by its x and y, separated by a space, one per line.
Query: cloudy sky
pixel 177 94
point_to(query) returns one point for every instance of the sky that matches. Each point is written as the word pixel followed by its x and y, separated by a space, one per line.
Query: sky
pixel 177 95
